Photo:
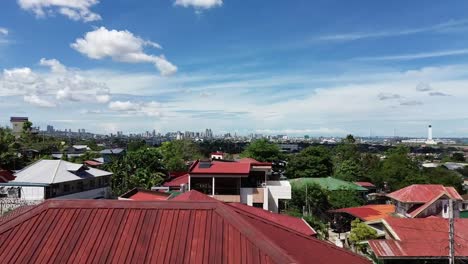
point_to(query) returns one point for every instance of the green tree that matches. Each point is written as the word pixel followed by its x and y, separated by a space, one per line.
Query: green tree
pixel 177 153
pixel 262 150
pixel 318 225
pixel 361 232
pixel 444 176
pixel 397 167
pixel 142 168
pixel 458 157
pixel 136 144
pixel 344 198
pixel 349 170
pixel 309 198
pixel 311 162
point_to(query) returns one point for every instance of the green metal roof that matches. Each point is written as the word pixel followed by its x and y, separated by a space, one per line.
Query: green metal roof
pixel 329 183
pixel 464 214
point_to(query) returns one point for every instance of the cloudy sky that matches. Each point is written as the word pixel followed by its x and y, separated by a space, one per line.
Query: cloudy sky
pixel 297 67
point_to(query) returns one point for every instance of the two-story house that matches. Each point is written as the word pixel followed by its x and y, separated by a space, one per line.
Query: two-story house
pixel 423 200
pixel 246 181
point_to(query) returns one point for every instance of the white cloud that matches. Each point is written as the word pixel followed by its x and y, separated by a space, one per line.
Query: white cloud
pixel 37 101
pixel 73 9
pixel 199 4
pixel 54 65
pixel 121 46
pixel 442 27
pixel 62 83
pixel 3 31
pixel 151 109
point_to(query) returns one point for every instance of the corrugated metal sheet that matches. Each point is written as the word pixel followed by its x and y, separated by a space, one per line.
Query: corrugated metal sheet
pixel 107 231
pixel 421 237
pixel 422 193
pixel 369 212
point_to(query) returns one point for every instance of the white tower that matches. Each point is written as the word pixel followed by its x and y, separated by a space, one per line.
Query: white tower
pixel 429 133
pixel 429 140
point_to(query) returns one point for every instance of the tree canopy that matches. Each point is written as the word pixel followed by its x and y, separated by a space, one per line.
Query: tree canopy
pixel 175 154
pixel 142 168
pixel 314 161
pixel 262 150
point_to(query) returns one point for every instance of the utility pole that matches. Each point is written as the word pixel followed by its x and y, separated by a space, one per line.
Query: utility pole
pixel 451 234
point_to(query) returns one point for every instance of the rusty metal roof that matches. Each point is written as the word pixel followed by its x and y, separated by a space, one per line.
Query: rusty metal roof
pixel 421 238
pixel 110 231
pixel 423 193
pixel 369 212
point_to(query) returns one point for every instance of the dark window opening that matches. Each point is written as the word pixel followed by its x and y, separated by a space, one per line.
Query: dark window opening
pixel 203 185
pixel 66 187
pixel 255 180
pixel 258 205
pixel 227 186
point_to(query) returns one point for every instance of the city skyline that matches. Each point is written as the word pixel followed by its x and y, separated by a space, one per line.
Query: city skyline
pixel 319 68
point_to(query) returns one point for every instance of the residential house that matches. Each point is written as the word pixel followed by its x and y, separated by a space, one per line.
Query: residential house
pixel 371 188
pixel 177 182
pixel 331 184
pixel 423 200
pixel 109 154
pixel 246 181
pixel 421 240
pixel 371 214
pixel 217 155
pixel 112 231
pixel 17 124
pixel 58 179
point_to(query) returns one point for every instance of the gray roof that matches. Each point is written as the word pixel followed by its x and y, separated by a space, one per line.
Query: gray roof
pixel 112 151
pixel 56 171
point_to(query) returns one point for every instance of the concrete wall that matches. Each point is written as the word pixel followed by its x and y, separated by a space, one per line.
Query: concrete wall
pixel 32 193
pixel 277 190
pixel 250 196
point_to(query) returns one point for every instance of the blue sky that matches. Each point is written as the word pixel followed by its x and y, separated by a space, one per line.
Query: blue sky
pixel 272 67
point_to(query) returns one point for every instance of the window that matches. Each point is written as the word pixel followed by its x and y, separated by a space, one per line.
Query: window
pixel 255 180
pixel 203 185
pixel 258 205
pixel 66 187
pixel 227 186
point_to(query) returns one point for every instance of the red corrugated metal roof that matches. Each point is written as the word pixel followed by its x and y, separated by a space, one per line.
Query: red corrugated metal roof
pixel 220 167
pixel 369 212
pixel 176 182
pixel 110 231
pixel 423 193
pixel 295 223
pixel 365 184
pixel 137 194
pixel 421 237
pixel 254 162
pixel 92 163
pixel 6 176
pixel 193 195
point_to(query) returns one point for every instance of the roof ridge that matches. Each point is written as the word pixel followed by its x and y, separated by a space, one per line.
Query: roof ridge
pixel 56 170
pixel 273 223
pixel 265 244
